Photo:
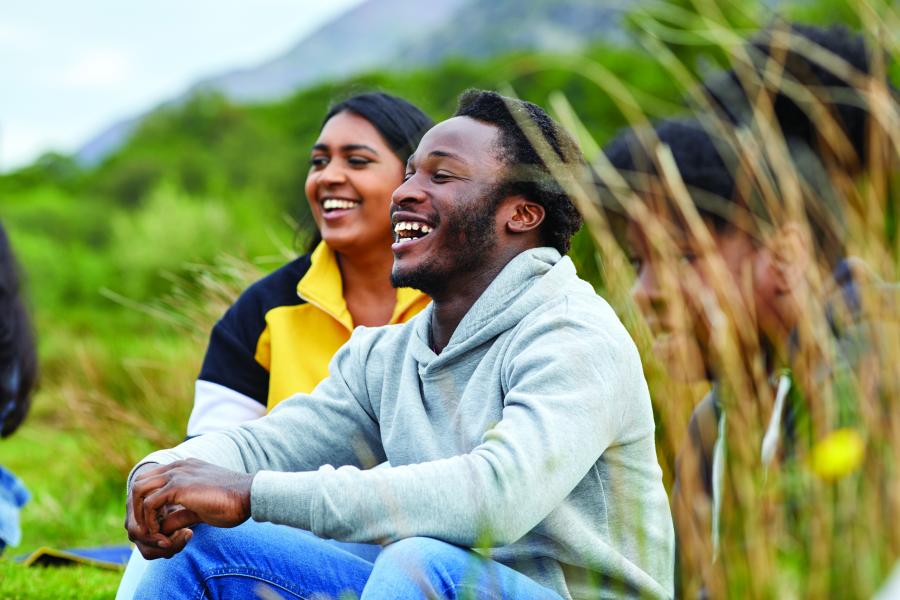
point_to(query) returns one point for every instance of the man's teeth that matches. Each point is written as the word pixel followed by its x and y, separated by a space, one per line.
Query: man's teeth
pixel 336 203
pixel 411 226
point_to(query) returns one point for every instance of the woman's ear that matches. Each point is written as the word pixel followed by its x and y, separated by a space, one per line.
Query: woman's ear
pixel 792 255
pixel 524 215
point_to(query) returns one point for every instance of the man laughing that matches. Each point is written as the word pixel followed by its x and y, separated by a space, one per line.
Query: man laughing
pixel 510 421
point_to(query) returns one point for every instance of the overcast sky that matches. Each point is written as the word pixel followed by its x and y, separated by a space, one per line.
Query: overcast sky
pixel 69 69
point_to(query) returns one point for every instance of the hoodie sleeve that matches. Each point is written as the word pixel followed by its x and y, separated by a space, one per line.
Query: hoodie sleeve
pixel 333 425
pixel 572 388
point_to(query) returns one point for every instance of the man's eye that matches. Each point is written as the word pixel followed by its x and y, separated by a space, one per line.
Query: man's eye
pixel 408 175
pixel 636 263
pixel 440 176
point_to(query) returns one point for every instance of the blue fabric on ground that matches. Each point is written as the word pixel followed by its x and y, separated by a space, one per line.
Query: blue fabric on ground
pixel 13 496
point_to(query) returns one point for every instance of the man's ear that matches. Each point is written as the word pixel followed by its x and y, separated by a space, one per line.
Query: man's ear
pixel 792 255
pixel 523 215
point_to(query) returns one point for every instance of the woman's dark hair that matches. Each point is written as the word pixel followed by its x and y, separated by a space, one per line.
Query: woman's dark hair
pixel 848 106
pixel 400 123
pixel 18 358
pixel 708 165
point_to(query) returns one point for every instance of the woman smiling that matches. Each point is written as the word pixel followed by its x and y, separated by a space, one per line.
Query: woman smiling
pixel 279 337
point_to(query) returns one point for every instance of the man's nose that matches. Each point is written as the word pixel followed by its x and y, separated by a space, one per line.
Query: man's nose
pixel 409 191
pixel 646 291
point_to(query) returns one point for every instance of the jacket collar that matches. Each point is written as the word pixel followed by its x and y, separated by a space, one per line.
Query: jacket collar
pixel 323 287
pixel 527 281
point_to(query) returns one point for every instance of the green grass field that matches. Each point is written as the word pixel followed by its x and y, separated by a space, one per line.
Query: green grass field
pixel 72 505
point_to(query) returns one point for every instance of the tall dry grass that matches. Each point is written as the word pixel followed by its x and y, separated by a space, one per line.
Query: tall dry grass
pixel 127 416
pixel 818 521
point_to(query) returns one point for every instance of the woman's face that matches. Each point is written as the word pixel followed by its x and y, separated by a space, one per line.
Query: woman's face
pixel 351 177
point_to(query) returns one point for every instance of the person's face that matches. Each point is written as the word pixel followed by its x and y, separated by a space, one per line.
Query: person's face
pixel 683 296
pixel 444 214
pixel 352 174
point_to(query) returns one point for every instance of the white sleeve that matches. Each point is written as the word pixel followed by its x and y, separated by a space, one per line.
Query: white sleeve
pixel 217 407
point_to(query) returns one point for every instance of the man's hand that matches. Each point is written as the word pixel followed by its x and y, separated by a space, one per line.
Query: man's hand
pixel 165 501
pixel 159 545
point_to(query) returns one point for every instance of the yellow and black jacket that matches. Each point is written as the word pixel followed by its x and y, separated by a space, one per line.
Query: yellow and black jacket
pixel 277 340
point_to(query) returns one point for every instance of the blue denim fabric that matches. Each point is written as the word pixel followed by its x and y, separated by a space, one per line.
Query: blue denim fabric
pixel 13 496
pixel 266 560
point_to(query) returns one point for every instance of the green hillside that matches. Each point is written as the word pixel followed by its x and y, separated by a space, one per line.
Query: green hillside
pixel 211 177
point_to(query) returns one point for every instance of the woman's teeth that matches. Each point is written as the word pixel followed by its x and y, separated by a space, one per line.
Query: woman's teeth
pixel 336 203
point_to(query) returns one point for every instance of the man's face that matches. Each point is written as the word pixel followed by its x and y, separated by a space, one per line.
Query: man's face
pixel 682 293
pixel 444 213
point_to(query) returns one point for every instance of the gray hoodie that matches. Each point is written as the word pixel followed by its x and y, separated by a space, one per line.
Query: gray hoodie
pixel 529 437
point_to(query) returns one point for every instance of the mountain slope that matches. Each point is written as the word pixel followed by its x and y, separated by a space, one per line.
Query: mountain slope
pixel 366 37
pixel 483 29
pixel 396 34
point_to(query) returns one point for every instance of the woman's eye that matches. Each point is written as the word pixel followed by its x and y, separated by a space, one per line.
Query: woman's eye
pixel 688 258
pixel 318 162
pixel 358 161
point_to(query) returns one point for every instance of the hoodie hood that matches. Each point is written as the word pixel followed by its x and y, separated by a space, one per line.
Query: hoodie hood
pixel 527 281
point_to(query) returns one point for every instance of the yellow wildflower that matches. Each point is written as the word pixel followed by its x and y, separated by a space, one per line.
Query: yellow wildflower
pixel 837 454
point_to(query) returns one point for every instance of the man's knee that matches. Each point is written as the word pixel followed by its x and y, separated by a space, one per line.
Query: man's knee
pixel 422 551
pixel 419 567
pixel 208 545
pixel 184 570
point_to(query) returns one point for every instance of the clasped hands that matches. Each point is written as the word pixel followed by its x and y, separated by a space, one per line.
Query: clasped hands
pixel 165 501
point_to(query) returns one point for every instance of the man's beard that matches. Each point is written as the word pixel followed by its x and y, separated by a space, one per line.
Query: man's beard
pixel 472 234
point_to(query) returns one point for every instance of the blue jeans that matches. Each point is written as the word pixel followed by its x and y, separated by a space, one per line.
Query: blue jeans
pixel 262 560
pixel 13 496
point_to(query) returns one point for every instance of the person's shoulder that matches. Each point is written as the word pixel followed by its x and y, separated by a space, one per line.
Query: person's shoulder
pixel 577 326
pixel 705 416
pixel 576 306
pixel 278 288
pixel 703 431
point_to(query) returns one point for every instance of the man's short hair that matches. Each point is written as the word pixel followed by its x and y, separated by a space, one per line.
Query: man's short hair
pixel 719 187
pixel 700 161
pixel 527 174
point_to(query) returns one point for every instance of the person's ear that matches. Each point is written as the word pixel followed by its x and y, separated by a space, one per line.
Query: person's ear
pixel 524 215
pixel 791 256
